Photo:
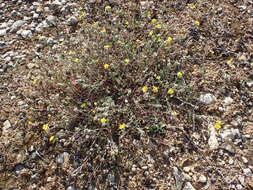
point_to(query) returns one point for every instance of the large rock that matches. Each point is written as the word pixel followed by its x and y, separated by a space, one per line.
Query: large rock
pixel 16 25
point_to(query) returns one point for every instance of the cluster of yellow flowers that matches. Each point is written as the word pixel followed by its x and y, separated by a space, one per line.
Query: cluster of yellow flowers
pixel 104 121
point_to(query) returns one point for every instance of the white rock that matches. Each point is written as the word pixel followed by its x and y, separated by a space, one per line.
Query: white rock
pixel 250 84
pixel 6 127
pixel 212 141
pixel 3 32
pixel 230 134
pixel 239 186
pixel 188 186
pixel 51 20
pixel 207 98
pixel 26 33
pixel 202 179
pixel 245 160
pixel 4 25
pixel 247 172
pixel 16 25
pixel 72 21
pixel 241 179
pixel 228 101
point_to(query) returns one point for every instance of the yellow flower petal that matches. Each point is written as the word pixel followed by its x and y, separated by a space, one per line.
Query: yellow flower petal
pixel 103 120
pixel 144 89
pixel 168 40
pixel 217 124
pixel 197 22
pixel 126 60
pixel 155 89
pixel 51 138
pixel 170 91
pixel 192 6
pixel 180 75
pixel 83 105
pixel 106 66
pixel 45 127
pixel 158 26
pixel 107 46
pixel 154 20
pixel 108 7
pixel 122 126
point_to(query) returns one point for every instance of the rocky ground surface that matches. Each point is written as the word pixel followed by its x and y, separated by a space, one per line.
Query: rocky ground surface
pixel 35 31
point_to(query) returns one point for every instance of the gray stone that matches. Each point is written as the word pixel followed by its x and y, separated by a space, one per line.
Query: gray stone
pixel 250 84
pixel 247 172
pixel 202 179
pixel 239 186
pixel 71 187
pixel 230 134
pixel 228 101
pixel 63 158
pixel 6 127
pixel 72 21
pixel 244 160
pixel 3 32
pixel 4 25
pixel 229 148
pixel 16 25
pixel 51 20
pixel 212 141
pixel 188 186
pixel 207 98
pixel 26 33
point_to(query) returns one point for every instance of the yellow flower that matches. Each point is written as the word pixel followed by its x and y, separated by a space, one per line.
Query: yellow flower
pixel 45 127
pixel 76 60
pixel 81 15
pixel 108 7
pixel 83 105
pixel 51 138
pixel 192 6
pixel 122 126
pixel 155 89
pixel 29 123
pixel 158 77
pixel 126 60
pixel 217 124
pixel 95 23
pixel 154 20
pixel 230 61
pixel 158 26
pixel 169 40
pixel 150 33
pixel 174 113
pixel 197 22
pixel 170 91
pixel 95 103
pixel 144 89
pixel 103 30
pixel 34 81
pixel 126 22
pixel 180 75
pixel 138 40
pixel 106 66
pixel 49 115
pixel 107 46
pixel 94 111
pixel 103 120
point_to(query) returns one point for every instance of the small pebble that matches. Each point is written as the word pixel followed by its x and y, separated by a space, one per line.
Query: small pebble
pixel 202 179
